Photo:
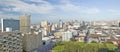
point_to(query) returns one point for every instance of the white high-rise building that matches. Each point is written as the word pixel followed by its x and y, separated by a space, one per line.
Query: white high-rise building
pixel 43 23
pixel 53 27
pixel 66 36
pixel 44 32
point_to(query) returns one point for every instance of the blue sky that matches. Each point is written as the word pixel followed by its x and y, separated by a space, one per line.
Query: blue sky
pixel 53 10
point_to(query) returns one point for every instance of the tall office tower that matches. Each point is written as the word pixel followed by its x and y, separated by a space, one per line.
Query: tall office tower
pixel 53 27
pixel 48 28
pixel 82 23
pixel 11 42
pixel 119 24
pixel 43 23
pixel 12 24
pixel 60 24
pixel 25 23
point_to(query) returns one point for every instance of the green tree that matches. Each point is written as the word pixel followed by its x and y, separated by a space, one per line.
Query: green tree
pixel 73 39
pixel 84 47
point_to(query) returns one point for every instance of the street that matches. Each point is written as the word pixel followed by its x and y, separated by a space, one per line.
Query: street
pixel 46 48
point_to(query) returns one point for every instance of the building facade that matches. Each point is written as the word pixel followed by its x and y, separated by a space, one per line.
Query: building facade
pixel 25 23
pixel 119 24
pixel 32 41
pixel 11 42
pixel 13 24
pixel 60 24
pixel 44 32
pixel 66 36
pixel 43 23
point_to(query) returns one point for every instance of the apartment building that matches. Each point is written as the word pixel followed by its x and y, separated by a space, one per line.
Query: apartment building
pixel 25 23
pixel 32 41
pixel 11 42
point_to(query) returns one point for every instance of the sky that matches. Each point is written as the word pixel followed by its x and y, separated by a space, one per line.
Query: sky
pixel 54 10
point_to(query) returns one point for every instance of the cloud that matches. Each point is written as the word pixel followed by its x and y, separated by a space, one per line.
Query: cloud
pixel 113 10
pixel 44 7
pixel 69 7
pixel 1 12
pixel 65 1
pixel 91 10
pixel 66 5
pixel 79 9
pixel 20 6
pixel 9 16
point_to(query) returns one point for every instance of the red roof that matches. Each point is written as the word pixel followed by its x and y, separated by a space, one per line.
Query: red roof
pixel 118 42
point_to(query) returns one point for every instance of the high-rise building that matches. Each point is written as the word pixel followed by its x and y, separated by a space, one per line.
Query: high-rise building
pixel 12 24
pixel 44 32
pixel 48 28
pixel 53 27
pixel 66 36
pixel 60 24
pixel 11 42
pixel 31 41
pixel 25 23
pixel 43 23
pixel 119 24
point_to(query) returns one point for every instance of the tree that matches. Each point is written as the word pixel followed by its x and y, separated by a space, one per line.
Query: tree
pixel 72 39
pixel 109 42
pixel 84 47
pixel 93 42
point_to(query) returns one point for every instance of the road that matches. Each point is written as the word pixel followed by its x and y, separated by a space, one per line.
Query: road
pixel 46 48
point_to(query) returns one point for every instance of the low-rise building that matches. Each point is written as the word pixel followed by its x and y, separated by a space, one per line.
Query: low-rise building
pixel 81 37
pixel 58 34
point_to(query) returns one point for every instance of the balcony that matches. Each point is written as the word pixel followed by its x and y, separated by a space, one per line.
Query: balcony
pixel 4 41
pixel 5 37
pixel 9 38
pixel 4 48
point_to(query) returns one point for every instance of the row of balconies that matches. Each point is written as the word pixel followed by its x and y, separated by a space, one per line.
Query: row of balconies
pixel 12 48
pixel 14 43
pixel 12 36
pixel 11 44
pixel 11 40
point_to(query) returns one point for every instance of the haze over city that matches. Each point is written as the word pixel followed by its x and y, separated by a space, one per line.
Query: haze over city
pixel 59 26
pixel 53 10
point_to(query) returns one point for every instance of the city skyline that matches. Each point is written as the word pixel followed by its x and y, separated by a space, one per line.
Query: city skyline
pixel 54 10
